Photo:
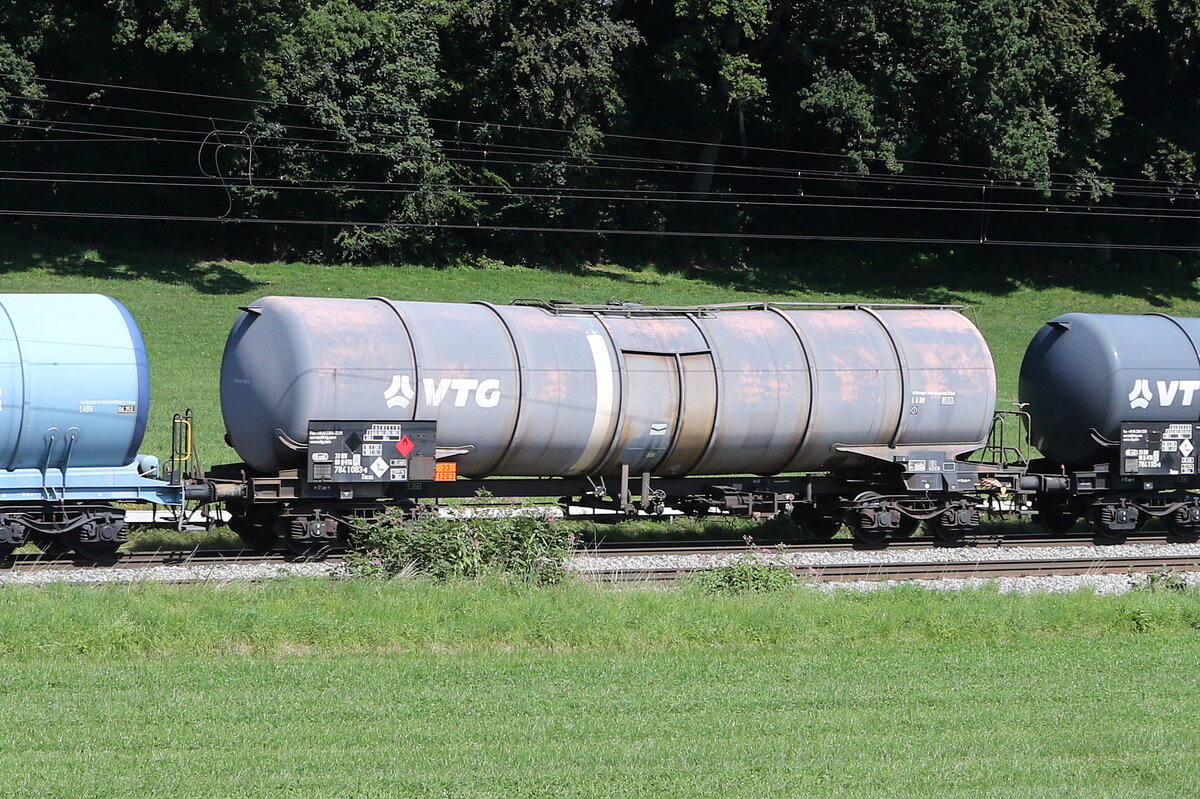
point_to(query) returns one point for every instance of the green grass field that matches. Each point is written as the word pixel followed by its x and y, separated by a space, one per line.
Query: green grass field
pixel 312 688
pixel 185 306
pixel 335 689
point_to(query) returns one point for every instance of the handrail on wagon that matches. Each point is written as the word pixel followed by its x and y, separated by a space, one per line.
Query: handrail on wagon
pixel 635 308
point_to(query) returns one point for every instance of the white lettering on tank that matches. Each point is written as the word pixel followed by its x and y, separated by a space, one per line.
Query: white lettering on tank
pixel 1189 390
pixel 400 392
pixel 1140 396
pixel 1168 392
pixel 462 390
pixel 488 394
pixel 485 393
pixel 435 390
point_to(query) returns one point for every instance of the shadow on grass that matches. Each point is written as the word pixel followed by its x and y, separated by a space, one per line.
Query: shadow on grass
pixel 951 275
pixel 954 275
pixel 71 260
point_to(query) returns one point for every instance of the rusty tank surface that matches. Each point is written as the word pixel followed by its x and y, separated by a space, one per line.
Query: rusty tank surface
pixel 545 389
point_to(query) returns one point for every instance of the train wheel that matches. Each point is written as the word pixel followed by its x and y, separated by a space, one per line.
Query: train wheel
pixel 96 551
pixel 873 538
pixel 1181 526
pixel 1106 537
pixel 257 534
pixel 308 536
pixel 1108 525
pixel 942 534
pixel 98 539
pixel 53 546
pixel 817 526
pixel 863 523
pixel 906 528
pixel 1055 517
pixel 7 550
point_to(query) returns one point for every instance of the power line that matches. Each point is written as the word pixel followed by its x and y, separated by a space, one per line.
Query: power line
pixel 706 234
pixel 717 170
pixel 562 131
pixel 761 173
pixel 508 155
pixel 814 201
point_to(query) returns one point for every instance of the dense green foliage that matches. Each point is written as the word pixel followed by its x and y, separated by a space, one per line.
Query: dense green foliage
pixel 529 547
pixel 746 575
pixel 408 124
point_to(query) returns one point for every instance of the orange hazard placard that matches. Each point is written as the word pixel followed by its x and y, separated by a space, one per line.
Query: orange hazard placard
pixel 445 471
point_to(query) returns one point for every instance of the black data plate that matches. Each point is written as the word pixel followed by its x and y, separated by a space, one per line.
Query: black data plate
pixel 371 452
pixel 1150 449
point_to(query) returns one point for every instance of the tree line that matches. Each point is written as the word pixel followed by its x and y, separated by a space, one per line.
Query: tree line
pixel 376 129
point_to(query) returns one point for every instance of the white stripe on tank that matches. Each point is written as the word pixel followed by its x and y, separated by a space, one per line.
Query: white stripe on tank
pixel 598 438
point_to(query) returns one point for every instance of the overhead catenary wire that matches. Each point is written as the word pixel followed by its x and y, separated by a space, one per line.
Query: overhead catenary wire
pixel 561 131
pixel 459 151
pixel 787 173
pixel 703 234
pixel 479 192
pixel 760 173
pixel 579 192
pixel 564 193
pixel 1072 186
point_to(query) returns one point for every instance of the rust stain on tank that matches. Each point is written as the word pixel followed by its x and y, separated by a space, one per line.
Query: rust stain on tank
pixel 555 385
pixel 758 389
pixel 756 325
pixel 655 334
pixel 371 340
pixel 946 320
pixel 837 321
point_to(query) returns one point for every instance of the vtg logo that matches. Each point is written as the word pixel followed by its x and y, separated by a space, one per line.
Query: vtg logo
pixel 486 393
pixel 1168 391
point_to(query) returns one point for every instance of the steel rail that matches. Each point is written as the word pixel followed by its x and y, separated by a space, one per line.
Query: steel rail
pixel 980 540
pixel 938 570
pixel 145 559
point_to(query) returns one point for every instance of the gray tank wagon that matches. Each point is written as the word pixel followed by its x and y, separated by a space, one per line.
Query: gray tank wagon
pixel 1114 407
pixel 610 399
pixel 1085 374
pixel 544 390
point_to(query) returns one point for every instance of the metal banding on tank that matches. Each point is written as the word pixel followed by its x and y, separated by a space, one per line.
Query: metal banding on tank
pixel 562 390
pixel 1085 374
pixel 74 382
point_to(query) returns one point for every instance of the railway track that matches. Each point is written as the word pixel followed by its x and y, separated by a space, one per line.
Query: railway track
pixel 151 558
pixel 1107 560
pixel 981 541
pixel 931 570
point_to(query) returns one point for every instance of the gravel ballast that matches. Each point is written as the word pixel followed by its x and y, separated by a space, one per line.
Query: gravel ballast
pixel 206 573
pixel 584 564
pixel 806 559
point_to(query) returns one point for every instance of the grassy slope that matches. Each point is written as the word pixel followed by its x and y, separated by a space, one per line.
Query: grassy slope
pixel 978 722
pixel 316 689
pixel 319 689
pixel 185 307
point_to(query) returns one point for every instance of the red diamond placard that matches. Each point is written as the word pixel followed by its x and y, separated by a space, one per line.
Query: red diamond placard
pixel 404 446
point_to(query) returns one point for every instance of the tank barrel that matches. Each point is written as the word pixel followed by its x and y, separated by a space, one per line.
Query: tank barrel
pixel 562 391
